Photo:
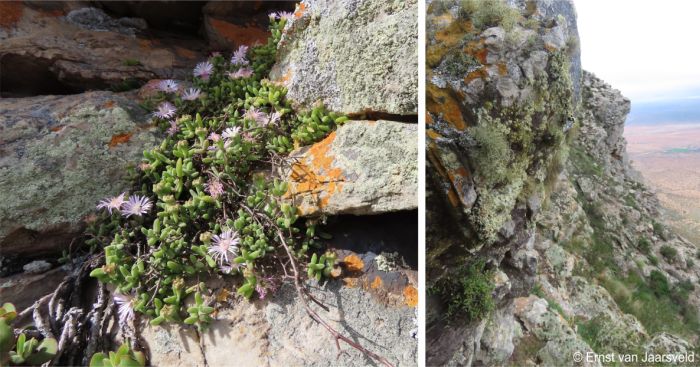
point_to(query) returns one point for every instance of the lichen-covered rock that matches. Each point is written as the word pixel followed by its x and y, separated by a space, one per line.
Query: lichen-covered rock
pixel 354 56
pixel 503 80
pixel 59 155
pixel 278 331
pixel 364 167
pixel 605 110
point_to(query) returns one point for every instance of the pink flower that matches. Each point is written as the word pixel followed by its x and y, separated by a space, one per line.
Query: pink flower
pixel 275 118
pixel 203 70
pixel 173 129
pixel 261 118
pixel 231 132
pixel 239 56
pixel 165 110
pixel 214 187
pixel 224 245
pixel 281 15
pixel 125 307
pixel 241 73
pixel 113 203
pixel 191 94
pixel 214 137
pixel 137 205
pixel 168 86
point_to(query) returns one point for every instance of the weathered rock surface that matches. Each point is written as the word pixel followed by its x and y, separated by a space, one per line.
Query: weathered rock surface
pixel 279 332
pixel 355 56
pixel 230 24
pixel 59 155
pixel 24 289
pixel 364 167
pixel 47 53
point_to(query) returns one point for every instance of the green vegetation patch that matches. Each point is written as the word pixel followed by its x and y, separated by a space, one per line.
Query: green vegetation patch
pixel 201 205
pixel 467 293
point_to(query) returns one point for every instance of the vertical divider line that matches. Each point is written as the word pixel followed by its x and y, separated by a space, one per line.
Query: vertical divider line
pixel 421 183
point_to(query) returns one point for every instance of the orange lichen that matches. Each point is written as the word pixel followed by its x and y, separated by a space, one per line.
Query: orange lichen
pixel 350 282
pixel 10 13
pixel 315 175
pixel 502 69
pixel 429 119
pixel 145 44
pixel 445 102
pixel 222 296
pixel 237 34
pixel 410 296
pixel 476 74
pixel 186 53
pixel 57 128
pixel 301 8
pixel 432 134
pixel 108 104
pixel 446 37
pixel 376 283
pixel 481 55
pixel 119 139
pixel 353 263
pixel 434 157
pixel 458 177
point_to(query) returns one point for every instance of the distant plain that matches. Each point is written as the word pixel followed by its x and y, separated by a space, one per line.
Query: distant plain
pixel 668 156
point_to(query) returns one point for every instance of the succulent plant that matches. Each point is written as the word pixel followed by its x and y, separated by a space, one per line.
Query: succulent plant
pixel 32 352
pixel 320 267
pixel 199 206
pixel 123 357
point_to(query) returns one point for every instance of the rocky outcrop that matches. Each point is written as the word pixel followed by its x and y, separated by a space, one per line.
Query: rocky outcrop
pixel 365 167
pixel 503 81
pixel 603 283
pixel 354 56
pixel 59 155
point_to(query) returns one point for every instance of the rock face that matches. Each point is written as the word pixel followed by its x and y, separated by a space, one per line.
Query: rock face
pixel 579 255
pixel 365 167
pixel 46 53
pixel 59 155
pixel 231 24
pixel 503 80
pixel 279 332
pixel 354 56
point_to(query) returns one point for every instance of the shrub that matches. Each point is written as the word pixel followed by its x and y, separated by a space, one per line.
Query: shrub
pixel 489 13
pixel 644 245
pixel 653 260
pixel 492 153
pixel 669 253
pixel 658 284
pixel 467 293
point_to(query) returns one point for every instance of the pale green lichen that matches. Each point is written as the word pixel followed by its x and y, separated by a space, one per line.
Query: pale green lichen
pixel 512 155
pixel 389 261
pixel 78 153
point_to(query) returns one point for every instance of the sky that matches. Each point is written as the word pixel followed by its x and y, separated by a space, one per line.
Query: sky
pixel 649 50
